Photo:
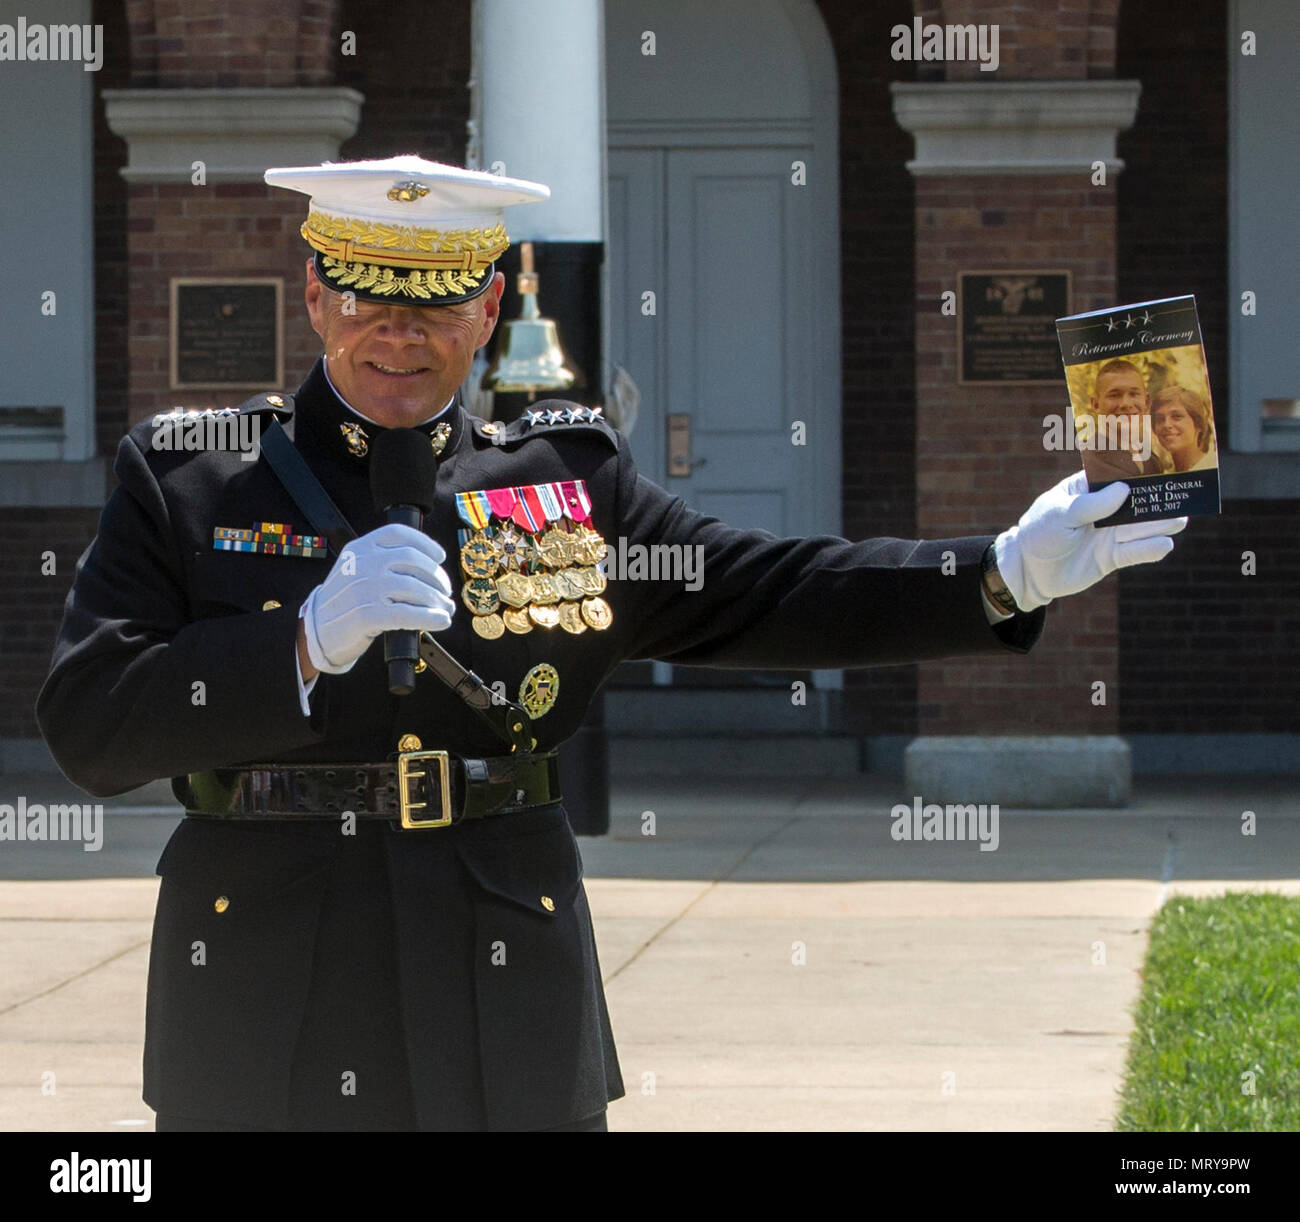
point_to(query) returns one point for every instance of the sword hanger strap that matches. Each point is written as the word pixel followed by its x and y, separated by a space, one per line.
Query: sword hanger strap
pixel 505 718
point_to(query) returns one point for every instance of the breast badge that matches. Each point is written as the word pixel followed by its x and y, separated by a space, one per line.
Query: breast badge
pixel 539 690
pixel 530 557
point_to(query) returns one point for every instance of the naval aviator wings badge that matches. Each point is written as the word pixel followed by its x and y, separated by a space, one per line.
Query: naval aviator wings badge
pixel 530 558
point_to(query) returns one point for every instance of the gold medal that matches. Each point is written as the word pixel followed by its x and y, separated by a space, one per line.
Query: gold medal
pixel 567 584
pixel 489 627
pixel 587 546
pixel 545 590
pixel 539 690
pixel 515 590
pixel 517 621
pixel 480 596
pixel 544 617
pixel 590 579
pixel 571 618
pixel 597 613
pixel 479 557
pixel 553 548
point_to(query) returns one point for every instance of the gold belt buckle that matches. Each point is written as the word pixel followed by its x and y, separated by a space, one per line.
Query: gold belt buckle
pixel 406 773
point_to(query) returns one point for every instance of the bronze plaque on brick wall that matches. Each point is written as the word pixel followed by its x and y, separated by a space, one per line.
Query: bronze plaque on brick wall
pixel 227 333
pixel 1007 330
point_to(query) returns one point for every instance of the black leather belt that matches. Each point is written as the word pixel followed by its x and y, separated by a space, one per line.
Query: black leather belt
pixel 420 789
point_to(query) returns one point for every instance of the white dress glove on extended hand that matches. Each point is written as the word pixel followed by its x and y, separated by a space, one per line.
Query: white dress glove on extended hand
pixel 1056 550
pixel 389 579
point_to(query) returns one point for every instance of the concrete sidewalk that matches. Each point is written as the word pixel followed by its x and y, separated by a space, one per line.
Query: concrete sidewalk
pixel 773 958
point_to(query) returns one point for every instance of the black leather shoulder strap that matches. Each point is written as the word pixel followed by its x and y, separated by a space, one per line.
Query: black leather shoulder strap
pixel 292 471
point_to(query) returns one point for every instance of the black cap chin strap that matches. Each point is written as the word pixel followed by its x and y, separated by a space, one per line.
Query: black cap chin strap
pixel 505 718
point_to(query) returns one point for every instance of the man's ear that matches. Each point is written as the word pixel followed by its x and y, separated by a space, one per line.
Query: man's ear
pixel 491 308
pixel 314 296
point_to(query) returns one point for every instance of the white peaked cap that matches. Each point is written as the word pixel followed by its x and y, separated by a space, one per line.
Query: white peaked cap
pixel 404 228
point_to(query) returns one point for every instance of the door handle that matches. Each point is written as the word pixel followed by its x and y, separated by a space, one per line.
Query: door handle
pixel 679 445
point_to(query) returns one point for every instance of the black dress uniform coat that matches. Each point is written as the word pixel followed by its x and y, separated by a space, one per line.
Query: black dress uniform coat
pixel 355 981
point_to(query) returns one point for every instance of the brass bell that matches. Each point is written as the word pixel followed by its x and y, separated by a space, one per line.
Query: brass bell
pixel 529 357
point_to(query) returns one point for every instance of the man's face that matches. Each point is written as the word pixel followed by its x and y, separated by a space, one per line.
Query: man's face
pixel 1122 393
pixel 400 364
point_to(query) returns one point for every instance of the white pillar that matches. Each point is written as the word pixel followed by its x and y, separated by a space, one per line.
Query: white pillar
pixel 539 110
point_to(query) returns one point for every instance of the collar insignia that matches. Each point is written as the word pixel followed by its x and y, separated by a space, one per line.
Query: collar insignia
pixel 355 436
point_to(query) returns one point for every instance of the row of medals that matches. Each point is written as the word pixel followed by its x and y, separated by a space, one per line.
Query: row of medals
pixel 503 596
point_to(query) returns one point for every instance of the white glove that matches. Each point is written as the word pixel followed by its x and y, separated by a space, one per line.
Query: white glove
pixel 390 578
pixel 1056 550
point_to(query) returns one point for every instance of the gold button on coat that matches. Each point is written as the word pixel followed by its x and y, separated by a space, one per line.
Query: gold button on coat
pixel 221 903
pixel 270 605
pixel 548 903
pixel 409 742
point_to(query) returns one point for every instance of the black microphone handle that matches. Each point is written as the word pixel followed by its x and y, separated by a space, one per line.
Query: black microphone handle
pixel 402 646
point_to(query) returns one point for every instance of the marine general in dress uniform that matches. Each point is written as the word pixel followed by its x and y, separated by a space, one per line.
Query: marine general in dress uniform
pixel 373 916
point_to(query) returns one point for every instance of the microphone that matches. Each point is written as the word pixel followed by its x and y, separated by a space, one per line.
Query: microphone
pixel 403 471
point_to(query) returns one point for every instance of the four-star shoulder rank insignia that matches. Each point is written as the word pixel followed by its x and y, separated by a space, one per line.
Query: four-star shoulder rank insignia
pixel 571 415
pixel 544 420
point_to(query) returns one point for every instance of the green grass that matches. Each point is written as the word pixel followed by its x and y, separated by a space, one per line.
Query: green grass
pixel 1220 998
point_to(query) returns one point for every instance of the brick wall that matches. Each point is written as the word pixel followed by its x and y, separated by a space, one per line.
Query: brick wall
pixel 111 301
pixel 31 604
pixel 979 449
pixel 878 304
pixel 407 111
pixel 223 229
pixel 1203 649
pixel 177 44
pixel 1047 40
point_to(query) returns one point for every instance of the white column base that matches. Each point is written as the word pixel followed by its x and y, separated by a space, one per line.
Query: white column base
pixel 1052 772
